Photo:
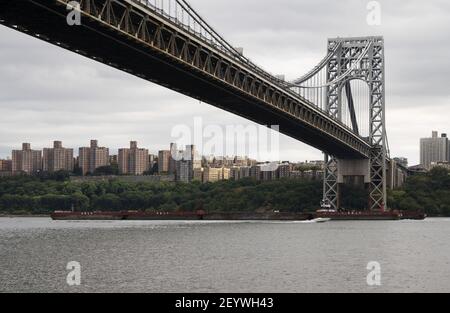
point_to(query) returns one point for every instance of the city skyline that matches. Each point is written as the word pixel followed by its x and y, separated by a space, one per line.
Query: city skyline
pixel 174 165
pixel 181 152
pixel 57 100
pixel 116 150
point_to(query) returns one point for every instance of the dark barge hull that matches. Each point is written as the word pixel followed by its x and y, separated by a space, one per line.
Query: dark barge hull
pixel 184 216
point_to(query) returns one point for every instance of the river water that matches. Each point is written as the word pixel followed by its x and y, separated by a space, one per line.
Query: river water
pixel 141 256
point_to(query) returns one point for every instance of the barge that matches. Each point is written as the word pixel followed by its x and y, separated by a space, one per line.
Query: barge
pixel 236 216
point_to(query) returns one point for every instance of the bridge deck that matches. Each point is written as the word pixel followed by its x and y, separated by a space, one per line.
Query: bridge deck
pixel 168 56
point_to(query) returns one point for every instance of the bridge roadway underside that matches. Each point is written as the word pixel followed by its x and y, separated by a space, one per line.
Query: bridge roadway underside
pixel 92 39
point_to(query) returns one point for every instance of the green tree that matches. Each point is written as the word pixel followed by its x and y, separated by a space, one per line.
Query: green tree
pixel 79 201
pixel 107 202
pixel 51 202
pixel 112 169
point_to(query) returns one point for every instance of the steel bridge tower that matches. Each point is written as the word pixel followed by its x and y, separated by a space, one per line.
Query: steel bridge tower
pixel 362 59
pixel 328 86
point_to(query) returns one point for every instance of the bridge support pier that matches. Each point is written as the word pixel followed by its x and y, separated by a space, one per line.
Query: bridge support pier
pixel 336 171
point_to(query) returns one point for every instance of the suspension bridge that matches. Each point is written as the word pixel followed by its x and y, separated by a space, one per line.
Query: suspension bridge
pixel 338 107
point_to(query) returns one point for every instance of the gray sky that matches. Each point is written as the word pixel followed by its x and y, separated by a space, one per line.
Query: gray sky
pixel 47 93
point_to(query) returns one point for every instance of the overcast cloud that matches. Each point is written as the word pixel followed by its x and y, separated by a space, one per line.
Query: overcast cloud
pixel 47 93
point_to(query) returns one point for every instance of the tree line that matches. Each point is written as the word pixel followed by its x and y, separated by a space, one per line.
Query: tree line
pixel 43 194
pixel 429 192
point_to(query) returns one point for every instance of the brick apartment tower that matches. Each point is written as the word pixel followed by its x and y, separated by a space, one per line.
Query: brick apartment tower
pixel 93 157
pixel 26 160
pixel 57 158
pixel 133 161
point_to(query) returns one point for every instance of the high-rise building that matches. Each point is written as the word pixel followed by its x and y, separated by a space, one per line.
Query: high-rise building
pixel 57 158
pixel 174 156
pixel 268 175
pixel 26 160
pixel 93 157
pixel 193 156
pixel 269 171
pixel 255 172
pixel 84 155
pixel 434 149
pixel 163 161
pixel 226 173
pixel 133 161
pixel 198 175
pixel 183 170
pixel 212 174
pixel 284 170
pixel 244 172
pixel 194 160
pixel 186 162
pixel 6 166
pixel 235 173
